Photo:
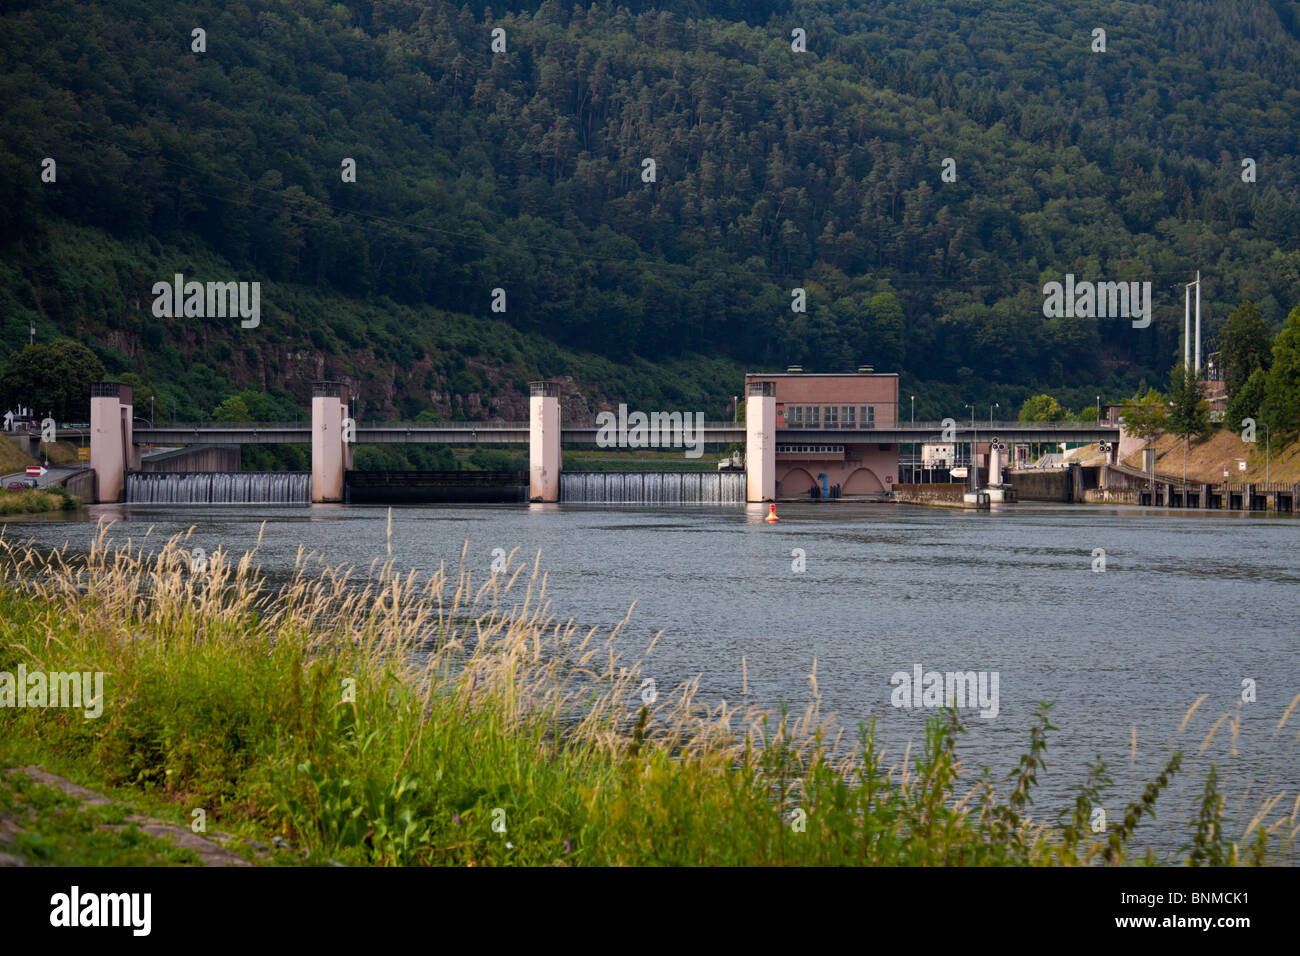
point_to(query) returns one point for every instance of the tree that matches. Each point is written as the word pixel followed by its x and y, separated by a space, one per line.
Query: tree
pixel 1190 414
pixel 1248 400
pixel 1042 408
pixel 143 396
pixel 53 379
pixel 1281 406
pixel 232 409
pixel 1145 415
pixel 1246 345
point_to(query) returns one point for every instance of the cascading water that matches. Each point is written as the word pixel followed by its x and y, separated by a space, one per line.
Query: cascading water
pixel 653 487
pixel 219 487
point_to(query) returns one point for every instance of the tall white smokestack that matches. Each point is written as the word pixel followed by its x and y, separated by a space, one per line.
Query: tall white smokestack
pixel 1198 321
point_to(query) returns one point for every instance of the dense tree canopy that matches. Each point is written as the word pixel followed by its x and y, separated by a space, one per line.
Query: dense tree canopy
pixel 1042 408
pixel 525 171
pixel 1247 401
pixel 52 379
pixel 1146 413
pixel 1281 406
pixel 1245 345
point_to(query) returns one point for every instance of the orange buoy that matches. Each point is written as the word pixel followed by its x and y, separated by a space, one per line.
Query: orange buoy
pixel 771 515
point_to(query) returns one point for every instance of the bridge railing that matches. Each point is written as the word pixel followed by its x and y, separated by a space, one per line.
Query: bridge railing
pixel 937 427
pixel 225 426
pixel 306 423
pixel 961 426
pixel 1011 426
pixel 461 426
pixel 592 423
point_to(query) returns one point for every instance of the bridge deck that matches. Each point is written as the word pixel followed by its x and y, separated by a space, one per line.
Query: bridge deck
pixel 517 433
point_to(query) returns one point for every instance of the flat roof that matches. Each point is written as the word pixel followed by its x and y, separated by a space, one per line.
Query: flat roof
pixel 821 374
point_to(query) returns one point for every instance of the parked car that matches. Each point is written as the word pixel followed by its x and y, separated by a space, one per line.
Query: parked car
pixel 22 484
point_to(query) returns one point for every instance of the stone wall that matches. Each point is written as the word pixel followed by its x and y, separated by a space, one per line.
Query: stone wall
pixel 1033 484
pixel 921 494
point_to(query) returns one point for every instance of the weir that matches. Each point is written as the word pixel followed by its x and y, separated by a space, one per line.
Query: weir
pixel 653 487
pixel 842 430
pixel 219 487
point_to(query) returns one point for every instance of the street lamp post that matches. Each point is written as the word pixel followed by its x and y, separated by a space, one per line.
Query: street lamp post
pixel 914 450
pixel 1266 451
pixel 971 464
pixel 991 407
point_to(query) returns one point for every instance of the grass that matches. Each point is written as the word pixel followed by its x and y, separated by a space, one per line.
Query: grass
pixel 36 501
pixel 12 457
pixel 51 828
pixel 376 719
pixel 1206 459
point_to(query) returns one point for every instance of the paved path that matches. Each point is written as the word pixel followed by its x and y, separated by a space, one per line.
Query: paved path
pixel 210 853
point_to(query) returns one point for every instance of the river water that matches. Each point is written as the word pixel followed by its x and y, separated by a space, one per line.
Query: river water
pixel 1188 604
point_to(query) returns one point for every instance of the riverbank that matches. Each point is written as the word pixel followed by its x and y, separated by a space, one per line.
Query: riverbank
pixel 1223 450
pixel 454 721
pixel 37 501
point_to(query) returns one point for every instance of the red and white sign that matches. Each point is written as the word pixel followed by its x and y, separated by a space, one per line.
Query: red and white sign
pixel 35 471
pixel 889 479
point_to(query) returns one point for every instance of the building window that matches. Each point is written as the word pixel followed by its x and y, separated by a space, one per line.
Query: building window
pixel 814 416
pixel 794 415
pixel 849 413
pixel 832 416
pixel 869 416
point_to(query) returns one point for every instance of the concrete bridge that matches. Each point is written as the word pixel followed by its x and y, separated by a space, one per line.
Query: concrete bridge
pixel 114 437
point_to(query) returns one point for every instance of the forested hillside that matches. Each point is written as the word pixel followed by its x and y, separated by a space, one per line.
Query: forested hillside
pixel 524 170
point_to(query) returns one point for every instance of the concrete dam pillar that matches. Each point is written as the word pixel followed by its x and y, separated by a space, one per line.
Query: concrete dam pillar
pixel 544 460
pixel 760 441
pixel 110 436
pixel 995 466
pixel 330 454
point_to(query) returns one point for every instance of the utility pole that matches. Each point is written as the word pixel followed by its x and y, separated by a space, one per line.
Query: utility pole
pixel 1187 324
pixel 1266 451
pixel 1198 323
